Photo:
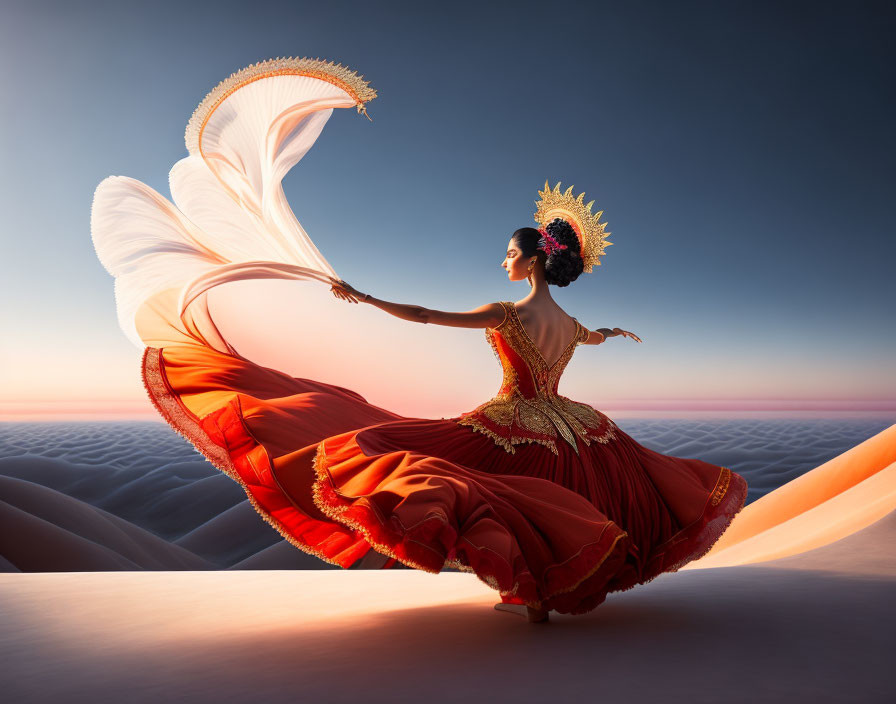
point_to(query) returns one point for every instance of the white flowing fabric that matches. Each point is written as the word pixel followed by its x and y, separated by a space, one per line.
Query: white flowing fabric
pixel 230 219
pixel 230 223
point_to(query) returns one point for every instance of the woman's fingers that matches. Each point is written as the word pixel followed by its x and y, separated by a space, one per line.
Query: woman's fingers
pixel 340 294
pixel 344 291
pixel 626 333
pixel 344 296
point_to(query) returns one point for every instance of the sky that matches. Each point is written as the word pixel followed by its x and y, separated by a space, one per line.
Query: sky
pixel 742 153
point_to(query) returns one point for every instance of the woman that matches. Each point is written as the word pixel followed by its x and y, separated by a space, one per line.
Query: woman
pixel 615 474
pixel 527 258
pixel 543 498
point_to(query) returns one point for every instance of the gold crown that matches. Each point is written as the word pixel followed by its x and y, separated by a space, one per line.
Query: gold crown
pixel 589 230
pixel 337 74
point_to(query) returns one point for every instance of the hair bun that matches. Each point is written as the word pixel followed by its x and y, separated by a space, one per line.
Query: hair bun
pixel 563 266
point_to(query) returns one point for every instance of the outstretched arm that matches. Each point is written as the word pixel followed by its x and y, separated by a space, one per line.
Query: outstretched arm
pixel 486 316
pixel 601 334
pixel 596 337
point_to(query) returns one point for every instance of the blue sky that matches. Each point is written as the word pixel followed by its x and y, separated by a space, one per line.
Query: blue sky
pixel 742 154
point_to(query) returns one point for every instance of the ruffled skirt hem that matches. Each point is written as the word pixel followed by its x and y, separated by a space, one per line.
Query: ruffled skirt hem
pixel 340 529
pixel 433 543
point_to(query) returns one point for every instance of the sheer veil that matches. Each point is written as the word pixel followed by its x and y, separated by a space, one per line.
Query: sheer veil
pixel 230 223
pixel 229 220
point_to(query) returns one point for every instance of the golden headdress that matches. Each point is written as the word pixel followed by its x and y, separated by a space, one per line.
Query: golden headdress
pixel 590 232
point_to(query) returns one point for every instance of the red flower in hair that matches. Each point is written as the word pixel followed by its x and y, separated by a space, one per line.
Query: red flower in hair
pixel 548 243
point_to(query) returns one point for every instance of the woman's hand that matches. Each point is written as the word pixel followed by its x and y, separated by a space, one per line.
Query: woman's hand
pixel 345 291
pixel 626 333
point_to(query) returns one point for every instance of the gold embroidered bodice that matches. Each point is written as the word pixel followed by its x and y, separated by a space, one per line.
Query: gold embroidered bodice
pixel 527 407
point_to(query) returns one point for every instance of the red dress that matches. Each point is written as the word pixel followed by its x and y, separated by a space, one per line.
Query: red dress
pixel 545 499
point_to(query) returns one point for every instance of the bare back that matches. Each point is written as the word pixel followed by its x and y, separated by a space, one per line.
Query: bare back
pixel 548 326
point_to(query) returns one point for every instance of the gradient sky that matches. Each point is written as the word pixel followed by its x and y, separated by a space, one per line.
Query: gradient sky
pixel 742 153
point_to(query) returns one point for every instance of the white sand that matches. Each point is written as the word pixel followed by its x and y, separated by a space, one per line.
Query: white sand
pixel 751 633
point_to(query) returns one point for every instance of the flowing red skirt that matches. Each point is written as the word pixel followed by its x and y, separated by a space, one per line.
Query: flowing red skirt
pixel 338 476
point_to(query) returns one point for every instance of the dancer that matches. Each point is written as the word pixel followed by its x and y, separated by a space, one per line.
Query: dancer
pixel 543 498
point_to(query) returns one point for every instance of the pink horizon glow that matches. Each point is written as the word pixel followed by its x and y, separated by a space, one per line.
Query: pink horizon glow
pixel 135 409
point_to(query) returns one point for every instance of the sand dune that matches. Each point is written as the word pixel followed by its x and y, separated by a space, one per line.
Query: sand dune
pixel 149 477
pixel 170 502
pixel 869 551
pixel 231 536
pixel 168 498
pixel 832 501
pixel 282 556
pixel 42 529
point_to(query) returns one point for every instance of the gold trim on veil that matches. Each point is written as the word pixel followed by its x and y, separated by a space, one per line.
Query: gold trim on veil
pixel 337 74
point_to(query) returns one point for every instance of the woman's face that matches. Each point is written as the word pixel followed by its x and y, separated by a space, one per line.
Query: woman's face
pixel 516 265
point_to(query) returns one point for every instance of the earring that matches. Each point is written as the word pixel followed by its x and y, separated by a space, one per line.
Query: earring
pixel 529 275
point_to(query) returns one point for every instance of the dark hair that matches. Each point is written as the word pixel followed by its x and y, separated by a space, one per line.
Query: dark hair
pixel 563 266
